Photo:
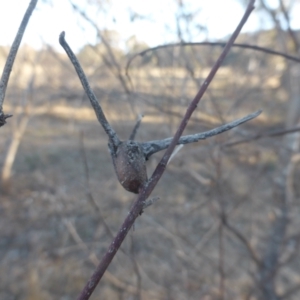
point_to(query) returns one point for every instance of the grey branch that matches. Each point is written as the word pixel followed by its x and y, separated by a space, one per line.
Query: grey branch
pixel 113 137
pixel 152 147
pixel 136 127
pixel 11 58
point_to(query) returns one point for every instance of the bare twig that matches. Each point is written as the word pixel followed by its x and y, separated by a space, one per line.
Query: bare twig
pixel 221 44
pixel 290 30
pixel 148 188
pixel 243 239
pixel 113 137
pixel 88 188
pixel 136 127
pixel 270 258
pixel 136 270
pixel 111 62
pixel 152 147
pixel 92 256
pixel 108 275
pixel 272 133
pixel 114 66
pixel 11 58
pixel 20 128
pixel 175 152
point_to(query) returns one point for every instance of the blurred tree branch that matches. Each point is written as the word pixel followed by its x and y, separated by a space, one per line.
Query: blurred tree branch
pixel 112 64
pixel 21 126
pixel 272 133
pixel 11 58
pixel 212 44
pixel 113 137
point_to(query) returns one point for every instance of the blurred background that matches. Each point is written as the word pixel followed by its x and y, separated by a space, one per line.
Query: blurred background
pixel 227 225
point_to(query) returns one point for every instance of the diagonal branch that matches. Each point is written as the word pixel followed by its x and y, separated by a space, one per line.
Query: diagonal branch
pixel 113 137
pixel 152 147
pixel 11 58
pixel 148 188
pixel 136 127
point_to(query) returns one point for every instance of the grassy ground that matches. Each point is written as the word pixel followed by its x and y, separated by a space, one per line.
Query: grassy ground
pixel 51 234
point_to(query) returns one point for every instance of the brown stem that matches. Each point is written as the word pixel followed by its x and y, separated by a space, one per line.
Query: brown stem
pixel 146 191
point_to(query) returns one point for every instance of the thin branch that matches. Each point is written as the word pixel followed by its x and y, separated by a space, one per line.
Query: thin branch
pixel 175 152
pixel 92 256
pixel 113 137
pixel 20 127
pixel 221 44
pixel 11 58
pixel 273 13
pixel 136 269
pixel 111 61
pixel 243 239
pixel 148 188
pixel 272 133
pixel 152 147
pixel 88 188
pixel 114 66
pixel 136 127
pixel 116 282
pixel 290 31
pixel 222 274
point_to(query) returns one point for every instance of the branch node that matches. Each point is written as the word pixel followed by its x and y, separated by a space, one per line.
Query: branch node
pixel 3 118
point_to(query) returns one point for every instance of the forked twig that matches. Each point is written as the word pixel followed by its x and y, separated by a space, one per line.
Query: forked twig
pixel 150 185
pixel 11 58
pixel 129 157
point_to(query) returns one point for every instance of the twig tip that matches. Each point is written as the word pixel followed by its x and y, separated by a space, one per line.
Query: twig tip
pixel 62 37
pixel 258 112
